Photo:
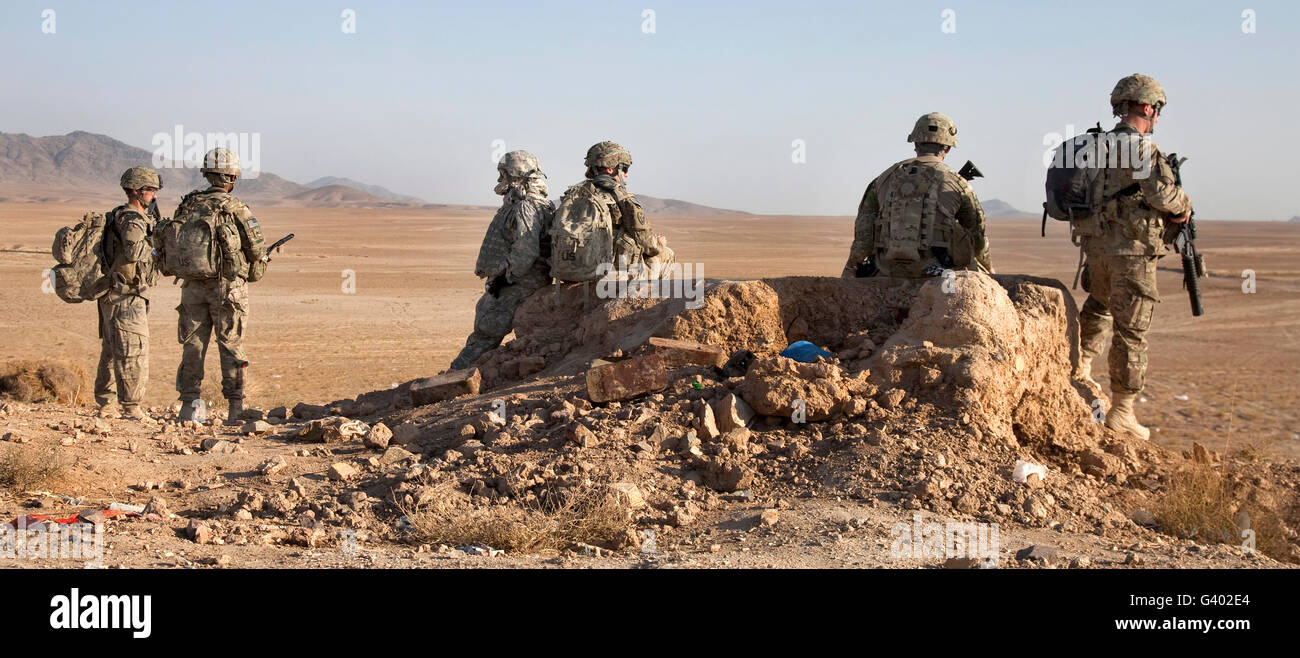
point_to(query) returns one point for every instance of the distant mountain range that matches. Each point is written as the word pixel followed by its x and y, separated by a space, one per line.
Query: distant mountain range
pixel 82 164
pixel 999 209
pixel 374 190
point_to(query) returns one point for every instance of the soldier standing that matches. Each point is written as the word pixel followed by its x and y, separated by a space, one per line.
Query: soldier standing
pixel 514 255
pixel 215 244
pixel 1122 243
pixel 124 310
pixel 919 218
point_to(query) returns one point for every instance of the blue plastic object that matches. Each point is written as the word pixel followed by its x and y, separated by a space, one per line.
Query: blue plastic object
pixel 804 352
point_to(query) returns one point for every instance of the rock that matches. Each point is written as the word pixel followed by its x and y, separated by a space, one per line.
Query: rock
pixel 378 436
pixel 252 414
pixel 961 563
pixel 199 532
pixel 732 412
pixel 678 353
pixel 395 455
pixel 1081 562
pixel 1037 552
pixel 342 471
pixel 92 516
pixel 628 494
pixel 582 436
pixel 737 439
pixel 1144 517
pixel 529 365
pixel 726 477
pixel 1133 559
pixel 1200 455
pixel 780 387
pixel 405 434
pixel 273 465
pixel 279 412
pixel 706 422
pixel 446 386
pixel 1036 506
pixel 217 446
pixel 967 503
pixel 1034 481
pixel 157 505
pixel 769 517
pixel 304 411
pixel 626 379
pixel 256 427
pixel 892 398
pixel 470 447
pixel 332 429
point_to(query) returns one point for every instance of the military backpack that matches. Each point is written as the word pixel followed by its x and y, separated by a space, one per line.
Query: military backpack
pixel 82 264
pixel 911 225
pixel 187 243
pixel 582 235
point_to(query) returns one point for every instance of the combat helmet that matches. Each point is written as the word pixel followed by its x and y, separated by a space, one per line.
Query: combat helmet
pixel 519 164
pixel 935 128
pixel 138 178
pixel 608 154
pixel 220 161
pixel 1138 88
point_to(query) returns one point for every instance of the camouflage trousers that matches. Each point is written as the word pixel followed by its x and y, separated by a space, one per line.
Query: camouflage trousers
pixel 217 306
pixel 1121 300
pixel 124 349
pixel 494 317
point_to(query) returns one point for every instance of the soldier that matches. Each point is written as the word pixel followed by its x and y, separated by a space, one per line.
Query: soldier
pixel 514 255
pixel 124 309
pixel 214 297
pixel 1122 243
pixel 635 244
pixel 891 234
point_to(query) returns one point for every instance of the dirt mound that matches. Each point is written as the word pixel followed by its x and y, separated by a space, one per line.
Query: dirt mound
pixel 936 390
pixel 44 381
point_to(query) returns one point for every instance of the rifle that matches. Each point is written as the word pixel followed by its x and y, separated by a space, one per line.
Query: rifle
pixel 278 243
pixel 969 171
pixel 1182 237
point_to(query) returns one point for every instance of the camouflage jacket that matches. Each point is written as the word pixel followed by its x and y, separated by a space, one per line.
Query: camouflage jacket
pixel 1139 185
pixel 632 235
pixel 517 239
pixel 239 235
pixel 961 229
pixel 129 252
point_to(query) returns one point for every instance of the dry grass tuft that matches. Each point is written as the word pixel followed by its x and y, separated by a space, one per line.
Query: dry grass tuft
pixel 25 468
pixel 44 381
pixel 560 519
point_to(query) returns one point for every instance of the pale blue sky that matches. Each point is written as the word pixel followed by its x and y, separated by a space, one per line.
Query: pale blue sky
pixel 709 104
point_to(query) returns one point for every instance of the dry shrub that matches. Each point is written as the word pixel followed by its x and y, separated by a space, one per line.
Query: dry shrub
pixel 45 380
pixel 1200 505
pixel 28 468
pixel 559 519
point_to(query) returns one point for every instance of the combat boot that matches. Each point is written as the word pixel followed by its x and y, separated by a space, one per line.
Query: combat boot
pixel 135 412
pixel 186 413
pixel 1121 417
pixel 1084 374
pixel 108 410
pixel 236 410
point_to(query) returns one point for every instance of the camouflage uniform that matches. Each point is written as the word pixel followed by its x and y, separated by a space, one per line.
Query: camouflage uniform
pixel 1122 244
pixel 123 312
pixel 634 242
pixel 891 226
pixel 219 304
pixel 514 255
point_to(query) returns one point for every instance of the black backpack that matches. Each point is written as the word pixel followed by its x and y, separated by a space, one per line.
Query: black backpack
pixel 1074 192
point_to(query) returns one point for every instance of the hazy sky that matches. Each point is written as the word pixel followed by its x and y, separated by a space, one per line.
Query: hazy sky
pixel 709 103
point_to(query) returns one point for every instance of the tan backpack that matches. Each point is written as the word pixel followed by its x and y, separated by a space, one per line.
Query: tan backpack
pixel 82 265
pixel 187 240
pixel 910 223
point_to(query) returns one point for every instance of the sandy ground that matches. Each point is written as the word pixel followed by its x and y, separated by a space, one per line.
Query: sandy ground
pixel 414 297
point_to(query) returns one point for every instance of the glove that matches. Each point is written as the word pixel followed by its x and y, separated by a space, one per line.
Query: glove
pixel 495 285
pixel 866 269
